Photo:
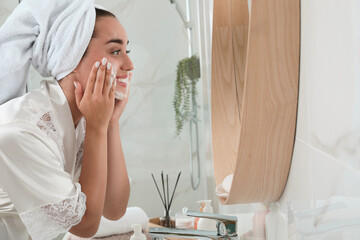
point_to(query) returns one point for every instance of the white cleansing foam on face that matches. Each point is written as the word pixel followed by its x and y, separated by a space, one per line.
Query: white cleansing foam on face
pixel 121 93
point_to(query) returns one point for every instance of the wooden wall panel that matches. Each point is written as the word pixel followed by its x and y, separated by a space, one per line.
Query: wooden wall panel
pixel 240 28
pixel 225 113
pixel 266 74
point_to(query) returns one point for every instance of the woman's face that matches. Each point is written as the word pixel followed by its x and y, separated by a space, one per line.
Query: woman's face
pixel 110 42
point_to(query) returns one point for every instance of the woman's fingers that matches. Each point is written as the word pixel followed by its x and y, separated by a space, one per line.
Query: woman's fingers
pixel 107 81
pixel 112 90
pixel 100 77
pixel 91 80
pixel 78 93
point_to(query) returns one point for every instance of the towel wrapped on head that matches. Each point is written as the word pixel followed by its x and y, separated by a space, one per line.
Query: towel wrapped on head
pixel 51 35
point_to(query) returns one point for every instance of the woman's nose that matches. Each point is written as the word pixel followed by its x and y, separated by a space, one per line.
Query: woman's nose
pixel 127 64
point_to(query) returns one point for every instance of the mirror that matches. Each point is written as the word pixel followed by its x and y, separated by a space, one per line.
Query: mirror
pixel 158 42
pixel 166 38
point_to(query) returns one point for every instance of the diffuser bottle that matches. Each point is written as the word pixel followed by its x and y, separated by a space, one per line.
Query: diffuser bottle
pixel 166 199
pixel 167 220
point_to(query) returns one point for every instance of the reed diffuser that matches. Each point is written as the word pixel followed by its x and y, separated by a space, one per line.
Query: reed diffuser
pixel 165 198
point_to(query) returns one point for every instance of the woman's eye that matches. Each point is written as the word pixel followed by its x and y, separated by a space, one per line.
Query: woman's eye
pixel 117 52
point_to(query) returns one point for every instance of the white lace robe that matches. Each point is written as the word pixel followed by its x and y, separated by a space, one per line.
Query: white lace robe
pixel 40 164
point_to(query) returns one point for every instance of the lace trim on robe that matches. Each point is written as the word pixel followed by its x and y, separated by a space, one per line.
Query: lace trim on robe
pixel 79 156
pixel 46 123
pixel 50 220
pixel 80 152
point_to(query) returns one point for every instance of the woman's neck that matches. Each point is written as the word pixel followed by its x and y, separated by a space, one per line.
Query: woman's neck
pixel 67 85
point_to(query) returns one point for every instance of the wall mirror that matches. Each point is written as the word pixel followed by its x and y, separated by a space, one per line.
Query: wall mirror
pixel 164 33
pixel 158 31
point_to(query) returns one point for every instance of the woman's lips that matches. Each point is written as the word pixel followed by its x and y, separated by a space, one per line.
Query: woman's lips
pixel 123 84
pixel 122 76
pixel 122 80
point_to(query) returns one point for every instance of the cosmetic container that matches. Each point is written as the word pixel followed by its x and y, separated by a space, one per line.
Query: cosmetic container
pixel 276 226
pixel 138 235
pixel 183 221
pixel 205 223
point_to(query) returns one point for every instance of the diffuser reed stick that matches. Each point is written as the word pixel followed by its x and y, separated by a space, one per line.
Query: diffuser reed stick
pixel 165 198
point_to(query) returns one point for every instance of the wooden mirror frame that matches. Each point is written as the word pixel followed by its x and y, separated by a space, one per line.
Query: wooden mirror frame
pixel 254 95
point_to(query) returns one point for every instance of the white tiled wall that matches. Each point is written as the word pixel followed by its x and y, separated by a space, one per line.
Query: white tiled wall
pixel 325 174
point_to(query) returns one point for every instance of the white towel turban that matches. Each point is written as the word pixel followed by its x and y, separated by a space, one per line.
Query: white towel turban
pixel 51 35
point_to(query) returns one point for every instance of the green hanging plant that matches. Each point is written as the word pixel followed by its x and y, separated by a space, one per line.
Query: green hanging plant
pixel 188 74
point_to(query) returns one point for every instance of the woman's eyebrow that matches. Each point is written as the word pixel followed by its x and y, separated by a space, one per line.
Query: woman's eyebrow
pixel 116 40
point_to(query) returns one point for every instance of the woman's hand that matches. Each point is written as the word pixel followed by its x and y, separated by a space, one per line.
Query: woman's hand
pixel 120 106
pixel 97 102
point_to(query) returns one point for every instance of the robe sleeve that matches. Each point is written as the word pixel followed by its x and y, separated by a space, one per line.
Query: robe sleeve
pixel 48 201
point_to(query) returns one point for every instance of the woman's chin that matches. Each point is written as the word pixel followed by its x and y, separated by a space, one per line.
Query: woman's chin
pixel 121 95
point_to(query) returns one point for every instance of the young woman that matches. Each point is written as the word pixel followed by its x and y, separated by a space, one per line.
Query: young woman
pixel 61 162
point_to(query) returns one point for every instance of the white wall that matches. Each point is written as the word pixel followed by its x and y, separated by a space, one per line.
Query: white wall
pixel 325 170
